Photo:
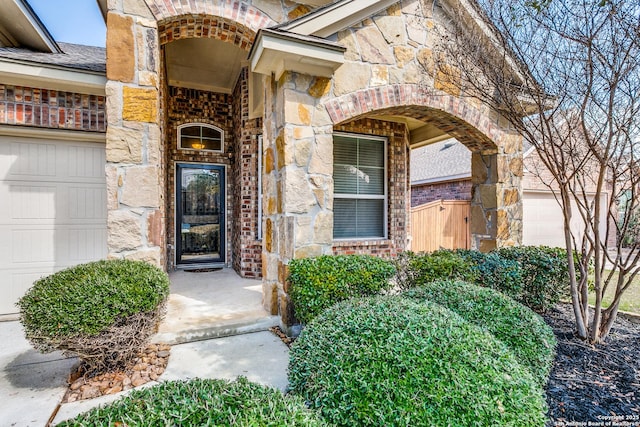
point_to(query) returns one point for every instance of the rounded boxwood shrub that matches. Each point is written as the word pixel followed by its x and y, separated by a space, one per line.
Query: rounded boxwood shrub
pixel 103 311
pixel 318 283
pixel 416 269
pixel 493 271
pixel 530 339
pixel 545 274
pixel 202 402
pixel 392 360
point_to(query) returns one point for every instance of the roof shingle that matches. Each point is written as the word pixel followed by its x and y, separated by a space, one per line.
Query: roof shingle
pixel 449 158
pixel 74 56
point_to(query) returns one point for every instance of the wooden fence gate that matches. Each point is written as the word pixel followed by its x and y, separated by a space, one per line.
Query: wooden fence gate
pixel 442 224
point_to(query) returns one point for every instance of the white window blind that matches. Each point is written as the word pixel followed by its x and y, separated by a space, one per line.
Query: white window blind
pixel 360 190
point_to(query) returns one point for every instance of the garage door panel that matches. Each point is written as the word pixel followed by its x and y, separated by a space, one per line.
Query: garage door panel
pixel 52 162
pixel 78 245
pixel 32 160
pixel 32 201
pixel 86 162
pixel 543 222
pixel 51 245
pixel 16 283
pixel 32 245
pixel 87 202
pixel 52 203
pixel 52 210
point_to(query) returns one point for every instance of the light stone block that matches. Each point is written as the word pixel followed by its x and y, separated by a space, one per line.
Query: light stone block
pixel 392 28
pixel 373 46
pixel 141 187
pixel 124 230
pixel 350 77
pixel 124 145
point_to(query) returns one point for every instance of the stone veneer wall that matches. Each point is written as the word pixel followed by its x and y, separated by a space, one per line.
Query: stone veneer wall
pixel 21 105
pixel 247 248
pixel 451 190
pixel 198 106
pixel 397 189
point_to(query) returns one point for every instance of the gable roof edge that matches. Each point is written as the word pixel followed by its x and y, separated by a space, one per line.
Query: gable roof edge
pixel 328 20
pixel 26 29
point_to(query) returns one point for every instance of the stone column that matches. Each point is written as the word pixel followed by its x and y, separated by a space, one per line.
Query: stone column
pixel 135 218
pixel 297 182
pixel 496 203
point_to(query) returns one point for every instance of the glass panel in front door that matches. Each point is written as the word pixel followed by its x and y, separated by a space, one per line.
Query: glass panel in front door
pixel 200 214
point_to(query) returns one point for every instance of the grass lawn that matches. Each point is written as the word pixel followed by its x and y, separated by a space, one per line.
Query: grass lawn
pixel 630 299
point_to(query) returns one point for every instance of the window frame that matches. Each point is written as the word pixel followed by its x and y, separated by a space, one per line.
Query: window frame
pixel 385 196
pixel 201 126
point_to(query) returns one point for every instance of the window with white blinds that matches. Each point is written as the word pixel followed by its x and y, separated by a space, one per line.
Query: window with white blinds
pixel 360 187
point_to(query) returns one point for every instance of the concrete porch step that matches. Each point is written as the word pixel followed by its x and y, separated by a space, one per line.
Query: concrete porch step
pixel 210 305
pixel 216 330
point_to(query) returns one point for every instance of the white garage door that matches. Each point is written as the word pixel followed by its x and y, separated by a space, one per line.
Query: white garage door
pixel 542 220
pixel 52 210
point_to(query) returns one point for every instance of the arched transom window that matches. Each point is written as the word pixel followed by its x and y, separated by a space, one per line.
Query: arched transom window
pixel 200 136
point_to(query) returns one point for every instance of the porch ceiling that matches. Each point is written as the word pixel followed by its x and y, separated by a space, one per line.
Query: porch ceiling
pixel 421 133
pixel 204 64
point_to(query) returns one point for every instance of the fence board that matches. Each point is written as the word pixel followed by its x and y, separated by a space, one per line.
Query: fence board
pixel 442 224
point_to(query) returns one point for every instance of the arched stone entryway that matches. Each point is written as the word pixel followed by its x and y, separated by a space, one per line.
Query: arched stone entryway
pixel 206 82
pixel 148 105
pixel 299 168
pixel 496 209
pixel 370 74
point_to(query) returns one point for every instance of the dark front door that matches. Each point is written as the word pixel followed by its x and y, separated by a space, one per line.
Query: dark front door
pixel 200 203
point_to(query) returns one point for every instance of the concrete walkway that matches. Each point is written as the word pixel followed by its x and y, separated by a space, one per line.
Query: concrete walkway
pixel 213 304
pixel 215 321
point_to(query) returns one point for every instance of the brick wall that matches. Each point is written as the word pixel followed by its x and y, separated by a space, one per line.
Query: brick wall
pixel 197 106
pixel 45 108
pixel 247 249
pixel 397 196
pixel 230 113
pixel 452 190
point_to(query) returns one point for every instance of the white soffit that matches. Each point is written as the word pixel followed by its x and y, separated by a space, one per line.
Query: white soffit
pixel 275 52
pixel 23 74
pixel 336 17
pixel 24 28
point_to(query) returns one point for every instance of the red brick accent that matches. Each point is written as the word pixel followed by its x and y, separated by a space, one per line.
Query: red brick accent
pixel 451 190
pixel 398 191
pixel 247 249
pixel 20 105
pixel 230 113
pixel 450 114
pixel 207 19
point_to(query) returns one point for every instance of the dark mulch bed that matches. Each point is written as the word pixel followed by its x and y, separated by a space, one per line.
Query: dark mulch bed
pixel 594 384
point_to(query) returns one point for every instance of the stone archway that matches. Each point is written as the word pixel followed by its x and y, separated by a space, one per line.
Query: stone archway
pixel 496 209
pixel 138 154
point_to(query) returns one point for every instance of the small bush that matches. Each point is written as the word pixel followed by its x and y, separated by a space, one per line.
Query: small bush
pixel 530 339
pixel 318 283
pixel 103 311
pixel 418 269
pixel 391 360
pixel 495 272
pixel 545 274
pixel 202 402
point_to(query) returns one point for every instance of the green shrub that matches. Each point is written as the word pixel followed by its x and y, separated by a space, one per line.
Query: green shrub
pixel 530 339
pixel 202 402
pixel 104 311
pixel 495 272
pixel 318 283
pixel 418 269
pixel 391 360
pixel 545 274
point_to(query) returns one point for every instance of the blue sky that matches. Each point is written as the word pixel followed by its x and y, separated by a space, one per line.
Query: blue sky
pixel 72 21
